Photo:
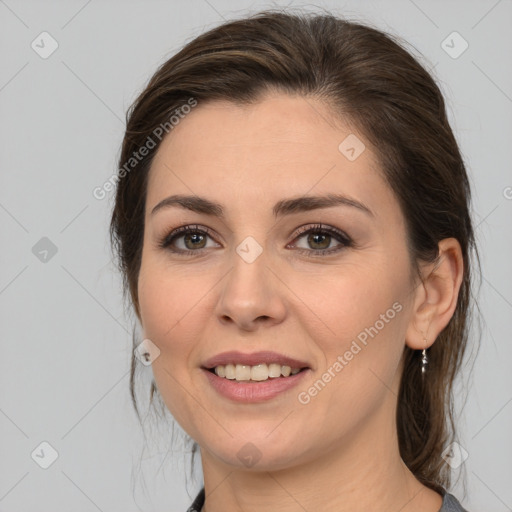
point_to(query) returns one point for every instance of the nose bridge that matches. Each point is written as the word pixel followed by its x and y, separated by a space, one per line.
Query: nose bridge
pixel 249 280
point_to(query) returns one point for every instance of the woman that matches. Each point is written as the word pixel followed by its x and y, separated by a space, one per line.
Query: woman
pixel 292 224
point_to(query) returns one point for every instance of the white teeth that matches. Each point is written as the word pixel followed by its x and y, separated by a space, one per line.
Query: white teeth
pixel 220 371
pixel 274 370
pixel 243 372
pixel 285 371
pixel 230 371
pixel 259 372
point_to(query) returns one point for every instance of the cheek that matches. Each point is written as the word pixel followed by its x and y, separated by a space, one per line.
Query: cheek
pixel 168 297
pixel 366 312
pixel 172 315
pixel 360 361
pixel 170 306
pixel 164 310
pixel 347 301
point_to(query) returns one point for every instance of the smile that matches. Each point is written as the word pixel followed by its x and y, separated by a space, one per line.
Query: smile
pixel 258 373
pixel 254 377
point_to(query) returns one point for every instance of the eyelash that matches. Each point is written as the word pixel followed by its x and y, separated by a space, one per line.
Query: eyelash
pixel 340 236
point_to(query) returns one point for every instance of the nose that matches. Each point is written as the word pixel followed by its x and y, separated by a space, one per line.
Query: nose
pixel 252 294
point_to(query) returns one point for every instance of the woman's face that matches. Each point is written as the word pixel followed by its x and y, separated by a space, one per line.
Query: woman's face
pixel 258 282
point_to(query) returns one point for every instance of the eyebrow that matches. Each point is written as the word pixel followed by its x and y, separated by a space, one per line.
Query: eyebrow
pixel 284 207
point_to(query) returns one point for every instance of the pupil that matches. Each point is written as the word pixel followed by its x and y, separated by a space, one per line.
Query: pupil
pixel 313 236
pixel 194 237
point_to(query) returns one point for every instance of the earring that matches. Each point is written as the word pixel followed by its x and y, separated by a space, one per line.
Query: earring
pixel 424 359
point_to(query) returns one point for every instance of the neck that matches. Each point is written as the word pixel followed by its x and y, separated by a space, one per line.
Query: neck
pixel 364 472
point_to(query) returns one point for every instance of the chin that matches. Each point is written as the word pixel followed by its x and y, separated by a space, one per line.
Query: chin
pixel 260 453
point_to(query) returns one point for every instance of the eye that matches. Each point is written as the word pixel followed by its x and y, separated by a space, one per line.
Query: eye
pixel 320 238
pixel 193 239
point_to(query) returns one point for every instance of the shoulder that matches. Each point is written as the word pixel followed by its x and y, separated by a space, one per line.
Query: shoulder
pixel 451 504
pixel 198 502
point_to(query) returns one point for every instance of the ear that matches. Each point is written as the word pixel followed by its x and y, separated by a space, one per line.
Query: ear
pixel 436 297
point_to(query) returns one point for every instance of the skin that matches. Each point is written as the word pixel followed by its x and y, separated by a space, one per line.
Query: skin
pixel 339 451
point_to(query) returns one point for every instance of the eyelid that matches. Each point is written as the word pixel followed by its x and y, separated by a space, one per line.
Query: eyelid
pixel 319 227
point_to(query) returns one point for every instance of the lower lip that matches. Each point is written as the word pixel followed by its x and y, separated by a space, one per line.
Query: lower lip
pixel 253 391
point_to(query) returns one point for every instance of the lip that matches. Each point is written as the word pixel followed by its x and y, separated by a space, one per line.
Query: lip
pixel 253 391
pixel 268 357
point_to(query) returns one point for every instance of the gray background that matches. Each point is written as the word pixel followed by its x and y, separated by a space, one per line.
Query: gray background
pixel 66 338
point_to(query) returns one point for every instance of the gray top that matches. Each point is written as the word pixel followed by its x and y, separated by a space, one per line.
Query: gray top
pixel 450 503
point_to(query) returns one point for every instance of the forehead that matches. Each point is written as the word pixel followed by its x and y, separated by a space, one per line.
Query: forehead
pixel 278 147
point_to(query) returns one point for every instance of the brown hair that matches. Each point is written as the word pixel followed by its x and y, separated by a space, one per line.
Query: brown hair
pixel 370 79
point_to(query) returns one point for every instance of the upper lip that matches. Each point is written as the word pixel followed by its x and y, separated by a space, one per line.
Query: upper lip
pixel 268 357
